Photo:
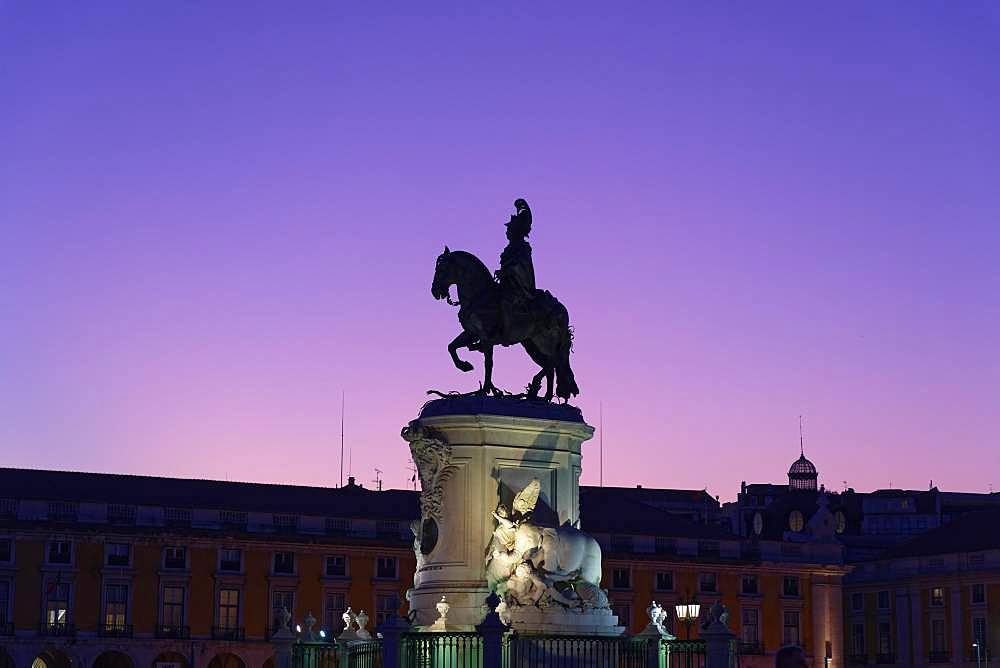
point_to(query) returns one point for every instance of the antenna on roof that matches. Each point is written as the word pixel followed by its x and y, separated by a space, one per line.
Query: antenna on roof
pixel 601 427
pixel 341 438
pixel 802 447
pixel 378 479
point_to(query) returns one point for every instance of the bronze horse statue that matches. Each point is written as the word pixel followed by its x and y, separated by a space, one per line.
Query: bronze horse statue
pixel 543 330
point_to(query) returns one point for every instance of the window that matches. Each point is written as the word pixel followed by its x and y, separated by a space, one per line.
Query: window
pixel 621 578
pixel 173 606
pixel 790 627
pixel 338 526
pixel 284 563
pixel 937 597
pixel 62 512
pixel 749 585
pixel 978 593
pixel 978 630
pixel 707 583
pixel 790 586
pixel 231 559
pixel 386 606
pixel 60 552
pixel 937 636
pixel 57 604
pixel 883 600
pixel 229 609
pixel 6 550
pixel 884 639
pixel 175 558
pixel 121 514
pixel 5 616
pixel 796 521
pixel 664 581
pixel 750 632
pixel 334 606
pixel 858 640
pixel 387 529
pixel 281 600
pixel 387 568
pixel 233 518
pixel 117 554
pixel 285 522
pixel 178 517
pixel 115 606
pixel 336 566
pixel 857 602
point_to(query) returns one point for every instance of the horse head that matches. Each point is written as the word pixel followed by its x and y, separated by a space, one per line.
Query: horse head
pixel 444 275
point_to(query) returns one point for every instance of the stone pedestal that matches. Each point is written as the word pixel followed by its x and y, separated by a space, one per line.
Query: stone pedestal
pixel 472 454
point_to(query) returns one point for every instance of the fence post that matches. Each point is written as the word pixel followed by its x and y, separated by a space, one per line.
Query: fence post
pixel 718 639
pixel 392 630
pixel 492 629
pixel 283 640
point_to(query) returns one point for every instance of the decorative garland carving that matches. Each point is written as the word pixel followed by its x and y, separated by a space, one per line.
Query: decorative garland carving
pixel 432 456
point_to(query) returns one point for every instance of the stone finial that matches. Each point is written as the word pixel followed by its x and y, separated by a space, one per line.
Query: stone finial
pixel 657 617
pixel 362 621
pixel 310 622
pixel 441 623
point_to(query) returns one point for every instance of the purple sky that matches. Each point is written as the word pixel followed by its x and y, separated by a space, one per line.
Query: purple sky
pixel 215 219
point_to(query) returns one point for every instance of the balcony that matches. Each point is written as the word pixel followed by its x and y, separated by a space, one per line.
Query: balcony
pixel 57 629
pixel 6 628
pixel 857 659
pixel 885 659
pixel 223 633
pixel 114 630
pixel 751 648
pixel 173 631
pixel 939 657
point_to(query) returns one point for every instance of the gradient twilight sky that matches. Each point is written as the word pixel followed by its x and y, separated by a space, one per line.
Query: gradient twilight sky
pixel 216 217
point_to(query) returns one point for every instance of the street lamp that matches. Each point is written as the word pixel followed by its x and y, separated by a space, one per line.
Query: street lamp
pixel 687 613
pixel 979 656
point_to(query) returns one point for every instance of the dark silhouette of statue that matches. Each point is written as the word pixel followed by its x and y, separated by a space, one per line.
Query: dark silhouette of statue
pixel 506 309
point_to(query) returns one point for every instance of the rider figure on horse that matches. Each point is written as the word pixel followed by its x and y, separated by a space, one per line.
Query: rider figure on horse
pixel 516 276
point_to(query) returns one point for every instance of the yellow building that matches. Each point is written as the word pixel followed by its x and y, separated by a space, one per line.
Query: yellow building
pixel 932 600
pixel 133 572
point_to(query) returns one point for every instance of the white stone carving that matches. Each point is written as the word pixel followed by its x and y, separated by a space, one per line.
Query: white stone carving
pixel 432 456
pixel 529 565
pixel 657 617
pixel 441 623
pixel 362 620
pixel 349 622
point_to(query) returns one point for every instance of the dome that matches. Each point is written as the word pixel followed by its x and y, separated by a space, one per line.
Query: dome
pixel 802 466
pixel 802 474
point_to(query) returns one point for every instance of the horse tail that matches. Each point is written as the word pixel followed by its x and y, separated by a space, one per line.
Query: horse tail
pixel 565 380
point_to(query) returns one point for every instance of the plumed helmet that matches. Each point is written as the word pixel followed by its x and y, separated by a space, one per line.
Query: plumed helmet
pixel 521 221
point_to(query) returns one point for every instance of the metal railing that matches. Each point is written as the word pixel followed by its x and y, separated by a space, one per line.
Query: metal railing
pixel 531 651
pixel 442 650
pixel 173 631
pixel 225 633
pixel 57 629
pixel 364 654
pixel 682 653
pixel 114 630
pixel 315 655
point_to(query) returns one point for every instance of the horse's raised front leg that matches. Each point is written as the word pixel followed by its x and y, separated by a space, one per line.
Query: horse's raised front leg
pixel 463 340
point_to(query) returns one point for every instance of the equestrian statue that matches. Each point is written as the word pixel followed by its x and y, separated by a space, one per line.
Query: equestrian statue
pixel 505 308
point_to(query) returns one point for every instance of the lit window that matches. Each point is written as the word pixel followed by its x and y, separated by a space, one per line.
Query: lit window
pixel 937 597
pixel 115 607
pixel 336 566
pixel 57 605
pixel 173 607
pixel 229 609
pixel 387 568
pixel 621 578
pixel 790 627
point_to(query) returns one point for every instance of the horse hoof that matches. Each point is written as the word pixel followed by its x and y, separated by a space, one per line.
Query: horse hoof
pixel 464 366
